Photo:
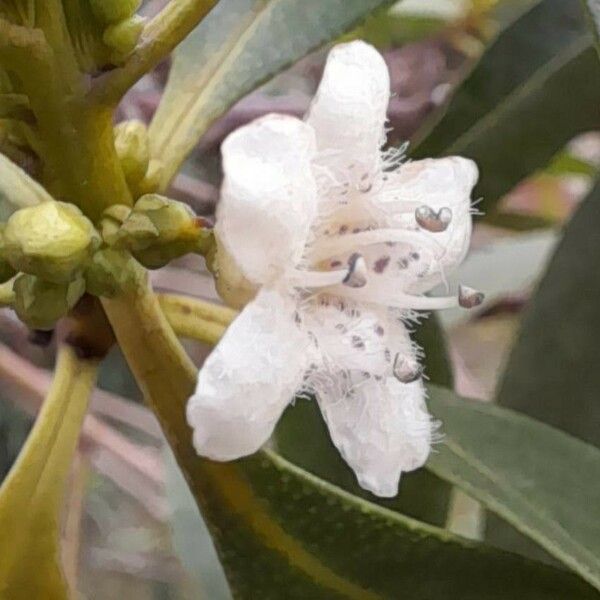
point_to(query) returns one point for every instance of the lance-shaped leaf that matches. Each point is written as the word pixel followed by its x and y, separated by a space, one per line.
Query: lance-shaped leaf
pixel 552 372
pixel 283 533
pixel 542 481
pixel 32 494
pixel 535 88
pixel 238 46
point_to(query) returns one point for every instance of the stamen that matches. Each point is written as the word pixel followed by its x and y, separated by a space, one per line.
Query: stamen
pixel 340 245
pixel 433 221
pixel 354 276
pixel 406 369
pixel 469 297
pixel 357 272
pixel 386 295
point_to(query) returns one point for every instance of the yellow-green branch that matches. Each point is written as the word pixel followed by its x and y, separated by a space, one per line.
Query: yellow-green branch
pixel 160 36
pixel 32 495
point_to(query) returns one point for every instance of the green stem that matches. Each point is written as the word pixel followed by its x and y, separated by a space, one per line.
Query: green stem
pixel 31 497
pixel 163 370
pixel 77 144
pixel 160 36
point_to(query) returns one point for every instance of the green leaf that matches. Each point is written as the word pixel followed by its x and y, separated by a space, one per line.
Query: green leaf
pixel 32 494
pixel 542 481
pixel 518 106
pixel 238 46
pixel 283 533
pixel 592 10
pixel 552 373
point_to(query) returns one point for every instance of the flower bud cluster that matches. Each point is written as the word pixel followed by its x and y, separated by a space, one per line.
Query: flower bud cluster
pixel 55 254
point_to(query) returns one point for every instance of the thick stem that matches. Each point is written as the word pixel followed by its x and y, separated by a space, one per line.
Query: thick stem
pixel 77 145
pixel 80 160
pixel 159 363
pixel 160 36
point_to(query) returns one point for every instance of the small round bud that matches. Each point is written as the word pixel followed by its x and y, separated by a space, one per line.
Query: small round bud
pixel 112 219
pixel 159 230
pixel 131 144
pixel 52 240
pixel 123 36
pixel 110 271
pixel 40 304
pixel 113 11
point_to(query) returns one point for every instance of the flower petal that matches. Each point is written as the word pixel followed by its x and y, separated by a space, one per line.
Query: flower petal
pixel 268 198
pixel 380 425
pixel 381 428
pixel 349 110
pixel 248 380
pixel 437 183
pixel 357 338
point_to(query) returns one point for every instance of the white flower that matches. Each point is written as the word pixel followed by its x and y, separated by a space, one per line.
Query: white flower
pixel 340 241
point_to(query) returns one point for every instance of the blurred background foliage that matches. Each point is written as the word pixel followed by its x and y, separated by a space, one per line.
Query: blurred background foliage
pixel 528 110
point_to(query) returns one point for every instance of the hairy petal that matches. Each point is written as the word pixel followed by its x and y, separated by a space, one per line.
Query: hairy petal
pixel 268 198
pixel 381 428
pixel 248 380
pixel 437 183
pixel 379 425
pixel 351 337
pixel 348 112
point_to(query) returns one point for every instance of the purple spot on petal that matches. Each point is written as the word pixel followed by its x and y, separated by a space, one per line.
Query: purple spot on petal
pixel 381 264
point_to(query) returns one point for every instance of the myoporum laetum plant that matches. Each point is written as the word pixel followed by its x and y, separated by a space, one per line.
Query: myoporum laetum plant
pixel 326 246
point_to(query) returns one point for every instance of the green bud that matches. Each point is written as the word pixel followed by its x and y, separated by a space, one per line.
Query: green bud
pixel 112 219
pixel 123 36
pixel 131 144
pixel 52 240
pixel 40 304
pixel 112 270
pixel 159 230
pixel 113 11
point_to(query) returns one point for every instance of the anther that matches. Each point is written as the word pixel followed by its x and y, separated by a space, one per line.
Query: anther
pixel 357 272
pixel 406 369
pixel 433 221
pixel 468 297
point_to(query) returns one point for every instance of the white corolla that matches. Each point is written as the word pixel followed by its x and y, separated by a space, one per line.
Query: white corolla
pixel 339 240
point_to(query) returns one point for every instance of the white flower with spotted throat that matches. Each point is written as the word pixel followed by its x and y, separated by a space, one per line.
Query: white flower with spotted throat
pixel 340 241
